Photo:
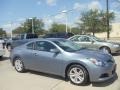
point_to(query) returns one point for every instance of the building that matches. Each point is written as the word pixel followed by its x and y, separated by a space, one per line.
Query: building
pixel 114 33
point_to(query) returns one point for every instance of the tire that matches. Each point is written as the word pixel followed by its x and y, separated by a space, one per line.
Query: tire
pixel 9 47
pixel 1 56
pixel 78 75
pixel 106 49
pixel 19 66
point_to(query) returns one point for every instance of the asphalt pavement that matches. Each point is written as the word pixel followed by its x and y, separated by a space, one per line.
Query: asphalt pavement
pixel 12 80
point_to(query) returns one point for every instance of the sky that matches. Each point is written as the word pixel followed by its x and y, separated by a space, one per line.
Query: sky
pixel 14 12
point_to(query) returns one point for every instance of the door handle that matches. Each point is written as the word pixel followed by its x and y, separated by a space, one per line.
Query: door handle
pixel 35 54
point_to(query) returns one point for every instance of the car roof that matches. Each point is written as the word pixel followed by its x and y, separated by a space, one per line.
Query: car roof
pixel 84 35
pixel 47 39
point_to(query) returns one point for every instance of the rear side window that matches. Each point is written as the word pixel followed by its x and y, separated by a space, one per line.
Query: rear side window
pixel 44 46
pixel 30 46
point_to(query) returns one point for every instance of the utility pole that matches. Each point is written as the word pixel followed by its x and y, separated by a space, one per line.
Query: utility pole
pixel 11 25
pixel 32 25
pixel 107 17
pixel 66 12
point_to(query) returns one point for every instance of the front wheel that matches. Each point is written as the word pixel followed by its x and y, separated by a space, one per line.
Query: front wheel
pixel 106 49
pixel 77 75
pixel 18 64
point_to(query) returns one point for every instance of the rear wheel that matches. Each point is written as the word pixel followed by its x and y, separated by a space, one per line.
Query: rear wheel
pixel 77 75
pixel 18 64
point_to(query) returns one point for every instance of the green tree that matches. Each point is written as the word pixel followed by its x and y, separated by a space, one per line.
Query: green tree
pixel 76 30
pixel 94 21
pixel 19 30
pixel 2 32
pixel 27 26
pixel 55 27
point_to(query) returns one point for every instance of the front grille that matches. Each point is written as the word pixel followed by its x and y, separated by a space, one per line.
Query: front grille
pixel 104 75
pixel 110 61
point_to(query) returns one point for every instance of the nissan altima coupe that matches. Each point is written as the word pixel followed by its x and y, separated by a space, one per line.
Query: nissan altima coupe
pixel 64 58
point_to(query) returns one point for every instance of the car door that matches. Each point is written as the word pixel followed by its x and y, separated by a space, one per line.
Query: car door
pixel 48 61
pixel 29 56
pixel 44 60
pixel 38 57
pixel 85 41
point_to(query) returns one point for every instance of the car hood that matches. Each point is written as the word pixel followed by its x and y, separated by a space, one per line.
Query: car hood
pixel 97 54
pixel 110 42
pixel 113 42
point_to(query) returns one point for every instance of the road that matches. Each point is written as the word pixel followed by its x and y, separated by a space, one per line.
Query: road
pixel 12 80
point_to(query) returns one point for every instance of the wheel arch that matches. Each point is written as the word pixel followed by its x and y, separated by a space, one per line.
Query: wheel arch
pixel 105 46
pixel 14 58
pixel 74 63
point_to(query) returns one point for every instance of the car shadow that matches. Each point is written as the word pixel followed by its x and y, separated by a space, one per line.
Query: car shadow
pixel 46 75
pixel 116 54
pixel 105 83
pixel 4 58
pixel 95 84
pixel 52 76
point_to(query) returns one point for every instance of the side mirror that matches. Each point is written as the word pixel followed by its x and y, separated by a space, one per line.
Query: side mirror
pixel 92 41
pixel 54 51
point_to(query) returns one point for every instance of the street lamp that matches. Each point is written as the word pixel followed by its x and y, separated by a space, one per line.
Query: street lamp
pixel 11 34
pixel 65 11
pixel 107 15
pixel 32 25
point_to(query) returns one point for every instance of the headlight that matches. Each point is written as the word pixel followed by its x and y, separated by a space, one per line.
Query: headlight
pixel 97 62
pixel 116 45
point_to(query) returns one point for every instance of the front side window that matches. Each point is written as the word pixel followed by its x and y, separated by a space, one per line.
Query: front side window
pixel 75 38
pixel 97 39
pixel 84 39
pixel 44 46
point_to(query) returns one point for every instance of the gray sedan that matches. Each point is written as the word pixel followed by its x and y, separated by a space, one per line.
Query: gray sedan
pixel 93 42
pixel 64 58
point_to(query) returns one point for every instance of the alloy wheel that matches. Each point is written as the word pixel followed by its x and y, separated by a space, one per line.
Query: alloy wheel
pixel 18 65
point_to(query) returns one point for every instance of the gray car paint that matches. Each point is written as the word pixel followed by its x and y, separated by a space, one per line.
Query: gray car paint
pixel 96 45
pixel 53 63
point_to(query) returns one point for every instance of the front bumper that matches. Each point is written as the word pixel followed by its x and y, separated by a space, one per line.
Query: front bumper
pixel 115 50
pixel 2 52
pixel 103 73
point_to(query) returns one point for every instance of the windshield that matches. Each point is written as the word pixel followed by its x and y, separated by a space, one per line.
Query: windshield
pixel 68 46
pixel 97 39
